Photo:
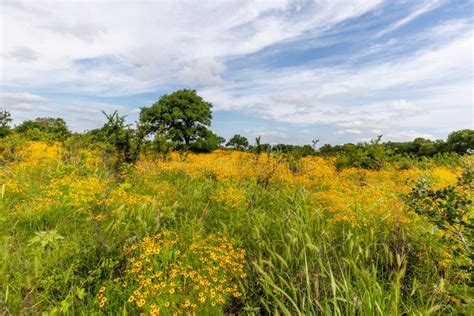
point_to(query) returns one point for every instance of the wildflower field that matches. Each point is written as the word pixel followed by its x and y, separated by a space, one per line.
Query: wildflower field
pixel 227 232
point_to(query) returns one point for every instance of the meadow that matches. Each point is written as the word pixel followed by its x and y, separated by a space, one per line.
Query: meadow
pixel 226 232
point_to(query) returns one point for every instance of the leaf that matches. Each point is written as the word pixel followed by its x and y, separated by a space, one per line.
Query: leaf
pixel 80 293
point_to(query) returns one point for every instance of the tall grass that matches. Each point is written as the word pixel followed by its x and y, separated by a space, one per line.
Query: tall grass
pixel 299 260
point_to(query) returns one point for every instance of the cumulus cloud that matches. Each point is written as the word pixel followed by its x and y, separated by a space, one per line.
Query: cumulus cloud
pixel 23 101
pixel 202 72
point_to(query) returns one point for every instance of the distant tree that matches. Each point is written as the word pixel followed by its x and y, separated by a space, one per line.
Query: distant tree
pixel 259 148
pixel 283 148
pixel 182 117
pixel 461 141
pixel 5 120
pixel 55 128
pixel 306 150
pixel 326 150
pixel 207 143
pixel 363 155
pixel 238 142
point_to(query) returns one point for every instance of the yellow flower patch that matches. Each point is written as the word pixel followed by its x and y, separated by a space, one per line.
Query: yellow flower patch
pixel 165 273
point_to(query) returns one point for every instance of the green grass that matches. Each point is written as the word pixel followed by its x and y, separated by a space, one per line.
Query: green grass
pixel 298 262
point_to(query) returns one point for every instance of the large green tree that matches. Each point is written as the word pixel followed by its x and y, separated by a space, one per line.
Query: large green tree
pixel 461 141
pixel 182 117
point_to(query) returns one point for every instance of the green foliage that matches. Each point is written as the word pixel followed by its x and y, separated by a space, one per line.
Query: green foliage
pixel 207 142
pixel 292 154
pixel 458 142
pixel 371 155
pixel 238 142
pixel 5 121
pixel 162 145
pixel 260 147
pixel 301 151
pixel 45 239
pixel 119 134
pixel 181 117
pixel 419 147
pixel 449 208
pixel 55 260
pixel 44 128
pixel 461 141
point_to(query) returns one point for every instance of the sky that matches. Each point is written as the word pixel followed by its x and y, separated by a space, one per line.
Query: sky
pixel 288 71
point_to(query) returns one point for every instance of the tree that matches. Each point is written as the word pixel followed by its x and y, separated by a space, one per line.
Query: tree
pixel 238 142
pixel 461 141
pixel 119 134
pixel 182 117
pixel 5 120
pixel 54 127
pixel 207 143
pixel 259 148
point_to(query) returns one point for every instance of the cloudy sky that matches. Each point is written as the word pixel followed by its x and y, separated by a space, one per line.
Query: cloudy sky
pixel 290 71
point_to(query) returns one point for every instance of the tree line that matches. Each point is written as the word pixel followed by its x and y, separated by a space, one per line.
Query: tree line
pixel 181 121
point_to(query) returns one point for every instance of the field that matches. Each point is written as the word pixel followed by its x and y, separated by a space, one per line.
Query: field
pixel 227 232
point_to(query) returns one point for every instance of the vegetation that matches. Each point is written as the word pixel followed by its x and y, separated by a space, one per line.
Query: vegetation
pixel 160 219
pixel 181 117
pixel 226 233
pixel 43 128
pixel 5 121
pixel 238 142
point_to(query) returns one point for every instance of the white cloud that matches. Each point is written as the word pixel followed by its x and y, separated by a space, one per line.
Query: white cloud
pixel 23 101
pixel 123 48
pixel 423 89
pixel 269 136
pixel 450 28
pixel 423 8
pixel 22 54
pixel 350 131
pixel 155 43
pixel 83 31
pixel 406 136
pixel 402 107
pixel 203 72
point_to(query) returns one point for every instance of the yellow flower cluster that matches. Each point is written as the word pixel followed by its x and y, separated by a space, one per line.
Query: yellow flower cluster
pixel 230 197
pixel 33 153
pixel 351 195
pixel 76 191
pixel 167 274
pixel 122 196
pixel 14 187
pixel 443 177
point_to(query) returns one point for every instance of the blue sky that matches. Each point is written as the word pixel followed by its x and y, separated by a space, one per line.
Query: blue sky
pixel 289 71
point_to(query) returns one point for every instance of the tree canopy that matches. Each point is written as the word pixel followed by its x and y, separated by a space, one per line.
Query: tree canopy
pixel 182 117
pixel 238 142
pixel 55 127
pixel 461 141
